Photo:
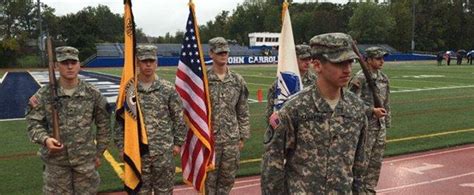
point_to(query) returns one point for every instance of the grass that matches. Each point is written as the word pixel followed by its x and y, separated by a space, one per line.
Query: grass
pixel 415 116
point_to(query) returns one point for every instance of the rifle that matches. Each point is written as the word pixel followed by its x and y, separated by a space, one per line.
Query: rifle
pixel 368 77
pixel 53 90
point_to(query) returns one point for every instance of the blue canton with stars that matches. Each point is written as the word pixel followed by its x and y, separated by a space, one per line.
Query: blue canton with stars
pixel 190 49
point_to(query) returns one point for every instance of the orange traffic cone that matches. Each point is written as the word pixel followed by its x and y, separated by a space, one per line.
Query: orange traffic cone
pixel 259 95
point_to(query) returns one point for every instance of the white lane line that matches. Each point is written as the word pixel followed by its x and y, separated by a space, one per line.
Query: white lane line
pixel 246 186
pixel 386 190
pixel 427 155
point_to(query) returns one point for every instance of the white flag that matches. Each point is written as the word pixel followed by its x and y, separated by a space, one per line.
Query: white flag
pixel 288 74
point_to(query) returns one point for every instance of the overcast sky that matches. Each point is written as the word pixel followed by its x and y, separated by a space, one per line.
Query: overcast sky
pixel 157 17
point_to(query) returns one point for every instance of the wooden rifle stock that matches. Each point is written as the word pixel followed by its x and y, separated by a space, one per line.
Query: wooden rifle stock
pixel 368 77
pixel 54 91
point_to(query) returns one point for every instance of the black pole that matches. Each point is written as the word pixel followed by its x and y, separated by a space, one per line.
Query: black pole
pixel 413 28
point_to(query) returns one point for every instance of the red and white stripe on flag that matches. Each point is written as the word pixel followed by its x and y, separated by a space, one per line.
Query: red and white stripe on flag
pixel 197 154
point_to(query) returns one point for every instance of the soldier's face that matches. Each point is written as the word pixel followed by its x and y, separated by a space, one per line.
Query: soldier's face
pixel 68 69
pixel 334 74
pixel 303 64
pixel 147 67
pixel 375 63
pixel 220 58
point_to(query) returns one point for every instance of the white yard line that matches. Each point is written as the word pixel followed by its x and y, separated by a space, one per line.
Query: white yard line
pixel 433 89
pixel 423 81
pixel 12 119
pixel 34 78
pixel 5 75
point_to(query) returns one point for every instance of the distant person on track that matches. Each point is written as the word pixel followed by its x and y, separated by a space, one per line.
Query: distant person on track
pixel 317 143
pixel 303 54
pixel 469 56
pixel 459 56
pixel 377 125
pixel 447 56
pixel 439 58
pixel 70 165
pixel 163 118
pixel 230 118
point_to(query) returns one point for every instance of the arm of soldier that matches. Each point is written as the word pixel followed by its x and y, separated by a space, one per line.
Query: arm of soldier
pixel 361 162
pixel 36 119
pixel 388 117
pixel 243 113
pixel 270 102
pixel 179 127
pixel 102 113
pixel 276 143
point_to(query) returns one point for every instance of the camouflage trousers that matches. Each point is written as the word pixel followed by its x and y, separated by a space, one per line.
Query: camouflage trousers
pixel 64 180
pixel 158 174
pixel 375 147
pixel 220 180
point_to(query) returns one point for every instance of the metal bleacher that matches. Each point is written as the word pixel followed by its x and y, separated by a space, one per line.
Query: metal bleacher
pixel 390 49
pixel 168 49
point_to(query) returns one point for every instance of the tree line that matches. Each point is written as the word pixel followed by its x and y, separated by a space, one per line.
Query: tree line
pixel 438 25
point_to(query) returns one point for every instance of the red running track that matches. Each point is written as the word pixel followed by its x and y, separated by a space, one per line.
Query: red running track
pixel 446 171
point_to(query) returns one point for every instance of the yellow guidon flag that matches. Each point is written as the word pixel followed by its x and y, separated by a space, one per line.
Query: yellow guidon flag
pixel 128 112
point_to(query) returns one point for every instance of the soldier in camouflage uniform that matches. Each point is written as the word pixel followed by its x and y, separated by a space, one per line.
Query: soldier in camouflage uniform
pixel 377 126
pixel 303 53
pixel 70 165
pixel 230 118
pixel 317 145
pixel 163 118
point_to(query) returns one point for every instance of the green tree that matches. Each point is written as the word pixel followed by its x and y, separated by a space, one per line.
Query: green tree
pixel 89 26
pixel 18 21
pixel 217 27
pixel 370 23
pixel 400 35
pixel 431 24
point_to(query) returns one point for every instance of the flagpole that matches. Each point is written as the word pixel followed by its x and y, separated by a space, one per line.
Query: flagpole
pixel 285 6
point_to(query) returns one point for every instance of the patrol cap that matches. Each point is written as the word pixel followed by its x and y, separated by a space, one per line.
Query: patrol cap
pixel 146 52
pixel 66 53
pixel 218 45
pixel 335 47
pixel 303 51
pixel 375 52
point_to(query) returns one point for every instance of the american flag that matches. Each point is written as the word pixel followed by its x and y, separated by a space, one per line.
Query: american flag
pixel 197 154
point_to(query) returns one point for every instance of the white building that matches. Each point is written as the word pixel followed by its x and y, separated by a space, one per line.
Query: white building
pixel 263 39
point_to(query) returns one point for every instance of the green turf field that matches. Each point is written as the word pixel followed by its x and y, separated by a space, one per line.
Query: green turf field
pixel 432 107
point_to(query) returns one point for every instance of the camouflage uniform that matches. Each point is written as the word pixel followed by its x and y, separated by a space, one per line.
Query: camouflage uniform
pixel 308 78
pixel 72 170
pixel 315 149
pixel 377 127
pixel 163 117
pixel 230 124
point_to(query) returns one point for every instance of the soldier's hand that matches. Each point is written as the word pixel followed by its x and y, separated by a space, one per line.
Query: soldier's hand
pixel 380 112
pixel 53 145
pixel 274 120
pixel 33 102
pixel 97 162
pixel 176 150
pixel 241 145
